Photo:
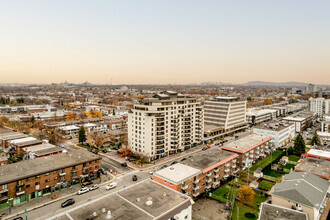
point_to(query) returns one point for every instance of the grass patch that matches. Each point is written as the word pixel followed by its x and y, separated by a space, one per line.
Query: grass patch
pixel 294 158
pixel 264 162
pixel 240 210
pixel 224 193
pixel 266 185
pixel 288 166
pixel 273 173
pixel 84 146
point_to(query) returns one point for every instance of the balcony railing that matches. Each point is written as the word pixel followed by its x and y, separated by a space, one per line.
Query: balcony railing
pixel 227 164
pixel 226 176
pixel 196 194
pixel 216 176
pixel 62 173
pixel 215 184
pixel 216 170
pixel 227 170
pixel 196 187
pixel 184 187
pixel 196 181
pixel 208 174
pixel 209 180
pixel 208 186
pixel 234 166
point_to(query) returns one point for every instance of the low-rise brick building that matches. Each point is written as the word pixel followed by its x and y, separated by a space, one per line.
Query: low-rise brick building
pixel 199 173
pixel 30 179
pixel 249 149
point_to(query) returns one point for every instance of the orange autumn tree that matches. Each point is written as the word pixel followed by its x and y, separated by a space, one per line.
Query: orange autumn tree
pixel 245 194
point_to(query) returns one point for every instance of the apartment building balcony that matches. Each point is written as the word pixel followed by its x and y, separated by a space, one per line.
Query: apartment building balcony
pixel 160 115
pixel 227 165
pixel 160 119
pixel 216 170
pixel 208 174
pixel 209 180
pixel 235 171
pixel 160 124
pixel 62 174
pixel 160 133
pixel 20 193
pixel 226 176
pixel 257 152
pixel 85 169
pixel 262 155
pixel 227 170
pixel 251 156
pixel 216 176
pixel 196 188
pixel 159 143
pixel 233 166
pixel 160 147
pixel 74 171
pixel 196 181
pixel 19 184
pixel 160 129
pixel 160 138
pixel 251 151
pixel 184 187
pixel 216 184
pixel 234 161
pixel 208 186
pixel 187 193
pixel 196 194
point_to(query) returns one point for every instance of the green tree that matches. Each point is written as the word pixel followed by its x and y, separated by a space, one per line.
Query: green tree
pixel 299 145
pixel 82 135
pixel 315 140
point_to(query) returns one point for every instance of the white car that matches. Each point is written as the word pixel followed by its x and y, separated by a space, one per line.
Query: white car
pixel 94 187
pixel 82 191
pixel 111 185
pixel 152 171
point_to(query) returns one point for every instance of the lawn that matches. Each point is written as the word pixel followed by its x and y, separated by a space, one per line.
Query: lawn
pixel 294 158
pixel 84 146
pixel 264 162
pixel 240 210
pixel 223 194
pixel 273 173
pixel 266 185
pixel 288 166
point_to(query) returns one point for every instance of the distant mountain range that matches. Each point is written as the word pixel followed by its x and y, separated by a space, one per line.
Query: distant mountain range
pixel 263 83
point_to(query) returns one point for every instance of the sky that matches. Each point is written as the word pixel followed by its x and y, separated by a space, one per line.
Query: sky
pixel 164 41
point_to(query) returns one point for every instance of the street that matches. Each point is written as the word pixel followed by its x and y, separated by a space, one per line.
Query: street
pixel 49 210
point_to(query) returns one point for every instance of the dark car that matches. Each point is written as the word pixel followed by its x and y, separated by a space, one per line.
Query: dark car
pixel 174 162
pixel 163 167
pixel 86 183
pixel 183 159
pixel 101 171
pixel 18 218
pixel 134 178
pixel 124 164
pixel 131 159
pixel 204 148
pixel 104 151
pixel 67 203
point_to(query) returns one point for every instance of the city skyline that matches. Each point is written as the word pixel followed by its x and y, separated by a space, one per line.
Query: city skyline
pixel 166 42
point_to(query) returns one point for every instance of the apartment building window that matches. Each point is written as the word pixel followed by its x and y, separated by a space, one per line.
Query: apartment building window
pixel 38 176
pixel 28 179
pixel 47 174
pixel 47 180
pixel 55 172
pixel 55 178
pixel 5 186
pixel 27 186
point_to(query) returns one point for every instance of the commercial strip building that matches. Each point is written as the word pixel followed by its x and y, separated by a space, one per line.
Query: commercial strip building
pixel 200 172
pixel 224 115
pixel 250 148
pixel 165 124
pixel 30 179
pixel 141 201
pixel 257 116
pixel 301 120
pixel 302 191
pixel 281 132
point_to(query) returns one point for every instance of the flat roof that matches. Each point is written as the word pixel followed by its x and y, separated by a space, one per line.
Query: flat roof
pixel 43 149
pixel 316 166
pixel 22 140
pixel 130 203
pixel 246 143
pixel 177 173
pixel 300 116
pixel 69 127
pixel 29 168
pixel 11 136
pixel 274 126
pixel 208 159
pixel 274 212
pixel 319 153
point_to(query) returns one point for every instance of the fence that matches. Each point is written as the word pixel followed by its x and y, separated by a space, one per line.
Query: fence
pixel 271 178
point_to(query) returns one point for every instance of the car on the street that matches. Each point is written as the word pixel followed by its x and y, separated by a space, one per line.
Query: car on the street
pixel 152 172
pixel 67 203
pixel 102 171
pixel 84 184
pixel 208 147
pixel 111 185
pixel 163 167
pixel 174 162
pixel 183 159
pixel 94 187
pixel 82 191
pixel 204 148
pixel 18 218
pixel 104 151
pixel 134 178
pixel 124 164
pixel 217 144
pixel 131 160
pixel 190 156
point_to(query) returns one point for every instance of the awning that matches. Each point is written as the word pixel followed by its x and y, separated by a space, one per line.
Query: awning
pixel 20 193
pixel 82 176
pixel 3 191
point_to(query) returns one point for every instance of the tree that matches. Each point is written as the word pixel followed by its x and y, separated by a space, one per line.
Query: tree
pixel 299 145
pixel 315 140
pixel 82 135
pixel 245 194
pixel 95 139
pixel 33 119
pixel 55 138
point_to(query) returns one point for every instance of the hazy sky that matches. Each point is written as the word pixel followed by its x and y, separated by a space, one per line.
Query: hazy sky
pixel 170 41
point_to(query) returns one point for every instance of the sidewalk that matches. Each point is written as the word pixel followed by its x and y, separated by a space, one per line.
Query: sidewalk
pixel 46 200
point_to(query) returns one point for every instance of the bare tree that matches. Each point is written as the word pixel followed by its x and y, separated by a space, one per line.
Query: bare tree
pixel 95 138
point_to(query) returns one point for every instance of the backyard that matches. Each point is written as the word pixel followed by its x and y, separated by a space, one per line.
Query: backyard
pixel 266 161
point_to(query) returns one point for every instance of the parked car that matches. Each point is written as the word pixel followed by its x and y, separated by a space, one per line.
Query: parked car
pixel 217 144
pixel 124 164
pixel 163 167
pixel 111 185
pixel 94 187
pixel 131 159
pixel 18 218
pixel 104 151
pixel 82 191
pixel 208 147
pixel 152 172
pixel 102 171
pixel 134 178
pixel 204 148
pixel 183 159
pixel 67 203
pixel 84 184
pixel 174 162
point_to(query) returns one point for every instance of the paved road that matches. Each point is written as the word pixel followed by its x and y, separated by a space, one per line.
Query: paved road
pixel 55 208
